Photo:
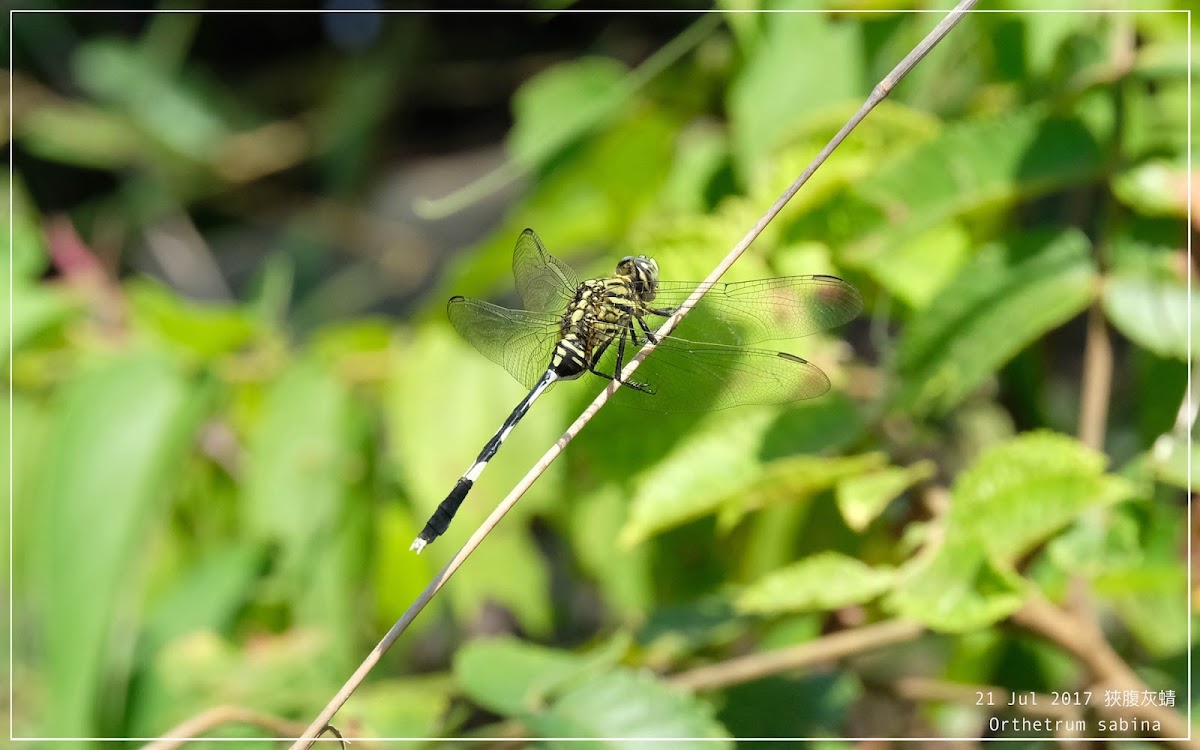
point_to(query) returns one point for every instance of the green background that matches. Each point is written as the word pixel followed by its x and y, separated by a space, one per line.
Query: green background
pixel 236 399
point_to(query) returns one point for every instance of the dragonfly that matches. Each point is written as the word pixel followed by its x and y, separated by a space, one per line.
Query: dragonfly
pixel 570 327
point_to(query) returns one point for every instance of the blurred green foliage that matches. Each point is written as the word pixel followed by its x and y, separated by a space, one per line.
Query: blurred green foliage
pixel 212 501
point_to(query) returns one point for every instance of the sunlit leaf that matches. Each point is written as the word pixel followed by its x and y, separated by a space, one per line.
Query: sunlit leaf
pixel 27 251
pixel 37 310
pixel 278 675
pixel 560 104
pixel 974 165
pixel 621 706
pixel 775 92
pixel 413 707
pixel 1002 300
pixel 586 200
pixel 80 135
pixel 120 432
pixel 1152 311
pixel 957 590
pixel 1154 188
pixel 1019 493
pixel 1153 602
pixel 174 114
pixel 863 497
pixel 720 467
pixel 821 582
pixel 511 677
pixel 1015 496
pixel 296 496
pixel 202 330
pixel 917 268
pixel 1175 462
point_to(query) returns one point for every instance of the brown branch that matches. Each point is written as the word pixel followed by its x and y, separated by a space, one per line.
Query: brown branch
pixel 1082 638
pixel 192 729
pixel 1096 391
pixel 825 649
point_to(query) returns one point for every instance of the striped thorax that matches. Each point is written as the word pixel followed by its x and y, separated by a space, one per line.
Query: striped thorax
pixel 600 311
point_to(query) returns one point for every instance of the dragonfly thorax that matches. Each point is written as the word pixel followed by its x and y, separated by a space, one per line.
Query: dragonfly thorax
pixel 599 312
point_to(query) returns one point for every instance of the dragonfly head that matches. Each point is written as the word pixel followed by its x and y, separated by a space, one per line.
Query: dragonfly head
pixel 643 272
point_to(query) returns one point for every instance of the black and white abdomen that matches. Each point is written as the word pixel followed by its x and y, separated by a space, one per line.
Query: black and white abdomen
pixel 569 360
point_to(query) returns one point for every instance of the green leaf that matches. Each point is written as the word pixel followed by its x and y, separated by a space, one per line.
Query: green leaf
pixel 120 433
pixel 511 677
pixel 1154 188
pixel 560 104
pixel 296 458
pixel 917 267
pixel 28 247
pixel 625 577
pixel 824 581
pixel 1154 603
pixel 719 466
pixel 701 153
pixel 587 199
pixel 1171 460
pixel 622 706
pixel 774 93
pixel 398 576
pixel 958 589
pixel 201 330
pixel 207 596
pixel 712 462
pixel 36 310
pixel 80 135
pixel 161 106
pixel 1020 493
pixel 862 498
pixel 793 479
pixel 817 704
pixel 1015 496
pixel 1152 311
pixel 412 707
pixel 23 452
pixel 1004 299
pixel 558 694
pixel 973 165
pixel 301 458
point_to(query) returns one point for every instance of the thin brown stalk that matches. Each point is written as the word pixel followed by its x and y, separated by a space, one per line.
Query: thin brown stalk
pixel 1097 380
pixel 878 94
pixel 197 726
pixel 828 648
pixel 1082 638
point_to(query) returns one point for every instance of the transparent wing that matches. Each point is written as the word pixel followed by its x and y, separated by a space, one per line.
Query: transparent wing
pixel 519 341
pixel 700 376
pixel 749 312
pixel 545 283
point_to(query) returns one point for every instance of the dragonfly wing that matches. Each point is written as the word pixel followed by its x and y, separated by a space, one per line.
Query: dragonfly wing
pixel 519 341
pixel 749 312
pixel 545 283
pixel 690 376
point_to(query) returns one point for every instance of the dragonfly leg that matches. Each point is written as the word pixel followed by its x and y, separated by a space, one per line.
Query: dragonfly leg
pixel 620 366
pixel 649 334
